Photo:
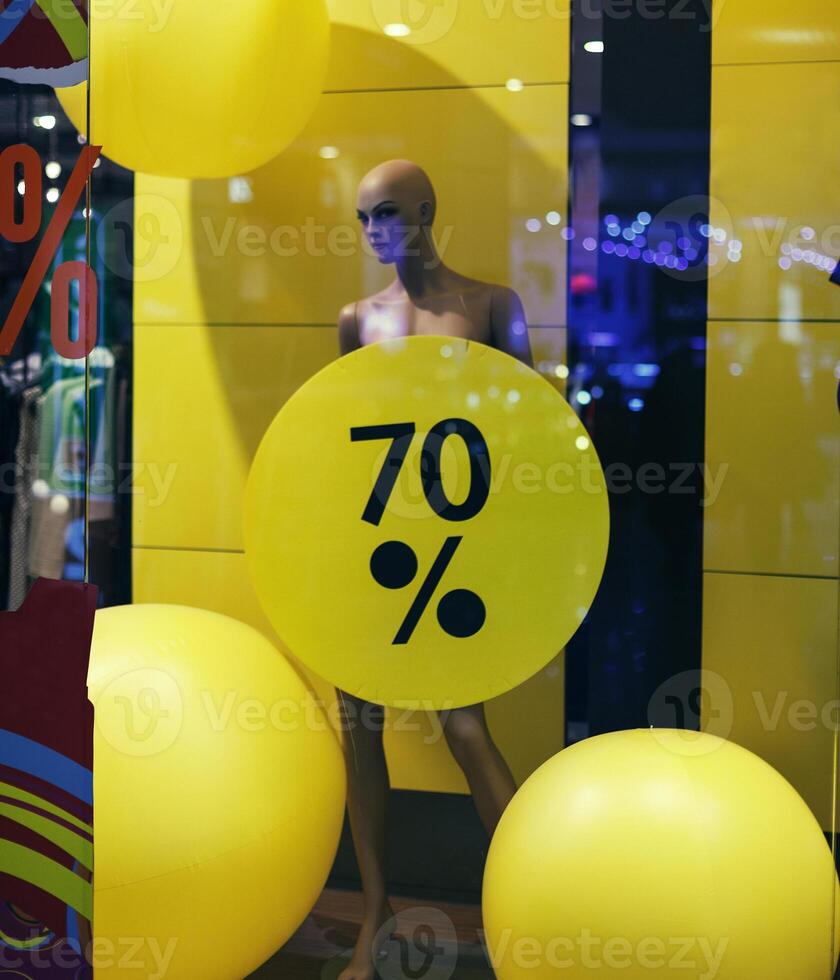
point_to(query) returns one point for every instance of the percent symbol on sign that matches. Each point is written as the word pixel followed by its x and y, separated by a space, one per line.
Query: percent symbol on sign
pixel 461 613
pixel 27 158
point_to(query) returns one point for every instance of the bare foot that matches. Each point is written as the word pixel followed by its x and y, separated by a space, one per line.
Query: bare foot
pixel 362 965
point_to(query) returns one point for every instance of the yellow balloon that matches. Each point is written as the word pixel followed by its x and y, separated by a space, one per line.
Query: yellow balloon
pixel 191 89
pixel 219 794
pixel 415 586
pixel 659 853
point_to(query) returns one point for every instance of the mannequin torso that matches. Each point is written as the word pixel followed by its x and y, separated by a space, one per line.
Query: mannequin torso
pixel 467 308
pixel 396 206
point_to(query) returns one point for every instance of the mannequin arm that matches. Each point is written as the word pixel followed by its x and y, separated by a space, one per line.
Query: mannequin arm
pixel 348 329
pixel 508 327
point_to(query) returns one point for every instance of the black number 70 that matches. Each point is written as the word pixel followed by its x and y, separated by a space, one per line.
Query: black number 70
pixel 401 435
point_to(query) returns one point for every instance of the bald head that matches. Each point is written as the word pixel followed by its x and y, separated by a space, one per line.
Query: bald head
pixel 403 183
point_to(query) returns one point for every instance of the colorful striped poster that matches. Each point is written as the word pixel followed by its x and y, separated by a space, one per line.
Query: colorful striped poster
pixel 46 782
pixel 44 42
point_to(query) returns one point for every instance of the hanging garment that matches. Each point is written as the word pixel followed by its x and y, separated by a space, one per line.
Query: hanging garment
pixel 60 441
pixel 26 461
pixel 121 547
pixel 46 778
pixel 59 489
pixel 10 401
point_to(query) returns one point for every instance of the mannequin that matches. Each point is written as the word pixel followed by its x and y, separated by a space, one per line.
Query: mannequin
pixel 396 207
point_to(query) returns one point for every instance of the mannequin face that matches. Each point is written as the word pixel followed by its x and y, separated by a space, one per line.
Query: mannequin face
pixel 393 210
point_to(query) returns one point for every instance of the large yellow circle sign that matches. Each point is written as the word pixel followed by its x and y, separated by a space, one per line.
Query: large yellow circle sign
pixel 426 522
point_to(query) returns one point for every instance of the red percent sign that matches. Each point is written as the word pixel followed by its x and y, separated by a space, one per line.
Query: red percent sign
pixel 27 158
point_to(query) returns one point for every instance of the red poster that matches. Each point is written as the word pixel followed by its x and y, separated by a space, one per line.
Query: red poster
pixel 46 782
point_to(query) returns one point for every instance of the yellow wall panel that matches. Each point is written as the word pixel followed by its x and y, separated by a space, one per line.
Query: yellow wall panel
pixel 773 641
pixel 773 441
pixel 238 285
pixel 775 187
pixel 775 30
pixel 292 250
pixel 772 438
pixel 418 757
pixel 204 397
pixel 452 42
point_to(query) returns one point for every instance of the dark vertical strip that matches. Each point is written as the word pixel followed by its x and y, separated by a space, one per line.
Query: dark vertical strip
pixel 637 339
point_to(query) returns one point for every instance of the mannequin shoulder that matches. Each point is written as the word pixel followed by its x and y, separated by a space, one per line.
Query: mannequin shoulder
pixel 500 300
pixel 506 304
pixel 348 328
pixel 508 325
pixel 353 316
pixel 468 286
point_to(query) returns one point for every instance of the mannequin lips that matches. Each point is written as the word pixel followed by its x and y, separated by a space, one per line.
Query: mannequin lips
pixel 381 249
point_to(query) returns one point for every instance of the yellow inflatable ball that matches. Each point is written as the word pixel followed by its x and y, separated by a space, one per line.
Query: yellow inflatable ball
pixel 191 89
pixel 659 853
pixel 219 795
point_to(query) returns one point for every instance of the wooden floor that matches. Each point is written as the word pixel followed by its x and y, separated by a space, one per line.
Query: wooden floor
pixel 440 936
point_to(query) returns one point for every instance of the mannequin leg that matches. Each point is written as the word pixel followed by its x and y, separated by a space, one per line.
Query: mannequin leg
pixel 367 803
pixel 488 775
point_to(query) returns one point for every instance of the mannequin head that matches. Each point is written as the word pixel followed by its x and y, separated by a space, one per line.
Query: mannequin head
pixel 396 206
